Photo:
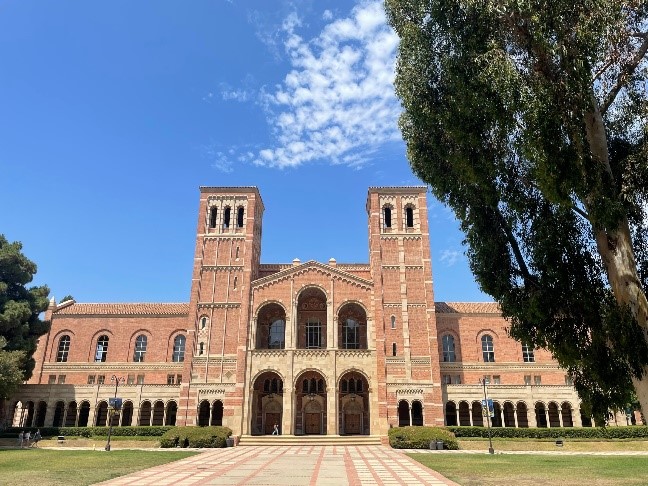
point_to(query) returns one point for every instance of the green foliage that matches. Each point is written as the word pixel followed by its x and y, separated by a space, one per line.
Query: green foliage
pixel 66 298
pixel 154 431
pixel 20 307
pixel 420 437
pixel 212 437
pixel 512 115
pixel 11 374
pixel 631 432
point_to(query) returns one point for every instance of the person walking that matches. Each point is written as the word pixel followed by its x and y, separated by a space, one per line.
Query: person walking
pixel 37 438
pixel 27 438
pixel 275 430
pixel 21 436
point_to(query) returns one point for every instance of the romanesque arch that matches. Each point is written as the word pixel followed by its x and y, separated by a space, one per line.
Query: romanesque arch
pixel 352 326
pixel 271 327
pixel 310 403
pixel 267 403
pixel 311 319
pixel 353 398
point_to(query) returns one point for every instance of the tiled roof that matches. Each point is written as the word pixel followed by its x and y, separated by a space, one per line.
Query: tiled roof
pixel 143 309
pixel 467 307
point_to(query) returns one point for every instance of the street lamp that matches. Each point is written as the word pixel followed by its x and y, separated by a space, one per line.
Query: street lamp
pixel 116 405
pixel 487 408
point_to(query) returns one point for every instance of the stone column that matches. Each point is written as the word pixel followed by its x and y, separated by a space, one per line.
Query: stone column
pixel 456 413
pixel 287 420
pixel 531 414
pixel 515 417
pixel 503 422
pixel 546 412
pixel 329 324
pixel 331 411
pixel 410 413
pixel 560 418
pixel 576 418
pixel 470 414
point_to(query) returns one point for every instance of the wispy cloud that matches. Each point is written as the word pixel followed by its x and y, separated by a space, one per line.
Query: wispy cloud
pixel 449 257
pixel 337 102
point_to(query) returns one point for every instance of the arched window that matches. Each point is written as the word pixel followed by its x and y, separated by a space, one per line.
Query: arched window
pixel 528 355
pixel 387 216
pixel 393 322
pixel 203 322
pixel 140 348
pixel 393 349
pixel 179 348
pixel 276 334
pixel 201 349
pixel 344 386
pixel 351 334
pixel 63 349
pixel 448 348
pixel 488 350
pixel 409 217
pixel 237 252
pixel 102 349
pixel 227 217
pixel 213 213
pixel 235 282
pixel 239 217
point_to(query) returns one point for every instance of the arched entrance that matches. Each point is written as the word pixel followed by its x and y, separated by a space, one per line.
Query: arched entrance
pixel 403 413
pixel 203 414
pixel 310 401
pixel 217 413
pixel 523 419
pixel 417 413
pixel 267 403
pixel 451 414
pixel 353 404
pixel 102 414
pixel 84 414
pixel 476 413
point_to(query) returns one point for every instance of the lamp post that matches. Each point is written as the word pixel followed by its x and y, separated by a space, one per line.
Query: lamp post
pixel 116 380
pixel 490 441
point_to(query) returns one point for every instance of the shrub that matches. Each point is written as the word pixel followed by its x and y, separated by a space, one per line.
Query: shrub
pixel 632 432
pixel 207 437
pixel 420 437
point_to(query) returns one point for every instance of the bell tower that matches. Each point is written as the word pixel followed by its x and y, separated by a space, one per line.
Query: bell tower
pixel 226 260
pixel 406 341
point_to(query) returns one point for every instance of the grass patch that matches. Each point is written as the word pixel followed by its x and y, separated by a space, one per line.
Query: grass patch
pixel 77 468
pixel 498 469
pixel 571 445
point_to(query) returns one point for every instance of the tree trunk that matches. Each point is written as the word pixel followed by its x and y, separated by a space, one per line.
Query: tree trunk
pixel 615 248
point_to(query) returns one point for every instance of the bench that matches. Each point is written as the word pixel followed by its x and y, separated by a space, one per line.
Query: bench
pixel 61 439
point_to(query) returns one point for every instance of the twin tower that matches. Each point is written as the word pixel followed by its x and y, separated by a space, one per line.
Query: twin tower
pixel 313 348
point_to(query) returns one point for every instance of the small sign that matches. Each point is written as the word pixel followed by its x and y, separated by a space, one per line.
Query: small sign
pixel 115 403
pixel 488 408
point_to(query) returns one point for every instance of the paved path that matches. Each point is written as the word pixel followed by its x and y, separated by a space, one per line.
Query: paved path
pixel 290 466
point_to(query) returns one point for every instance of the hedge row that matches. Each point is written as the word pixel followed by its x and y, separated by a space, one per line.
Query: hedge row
pixel 153 431
pixel 213 437
pixel 420 437
pixel 630 432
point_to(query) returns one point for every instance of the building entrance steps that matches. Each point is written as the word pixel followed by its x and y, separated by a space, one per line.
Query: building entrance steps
pixel 311 440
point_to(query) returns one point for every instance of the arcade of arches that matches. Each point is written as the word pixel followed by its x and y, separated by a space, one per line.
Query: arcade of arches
pixel 73 414
pixel 510 414
pixel 310 402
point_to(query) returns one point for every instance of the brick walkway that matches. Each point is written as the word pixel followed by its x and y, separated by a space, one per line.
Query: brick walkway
pixel 307 465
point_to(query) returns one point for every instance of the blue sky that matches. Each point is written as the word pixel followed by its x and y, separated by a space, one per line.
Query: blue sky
pixel 112 115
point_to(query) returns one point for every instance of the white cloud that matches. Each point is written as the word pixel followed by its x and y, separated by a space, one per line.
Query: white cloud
pixel 337 103
pixel 327 15
pixel 450 257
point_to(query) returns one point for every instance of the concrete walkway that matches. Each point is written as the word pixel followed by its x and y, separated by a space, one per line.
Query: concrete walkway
pixel 288 466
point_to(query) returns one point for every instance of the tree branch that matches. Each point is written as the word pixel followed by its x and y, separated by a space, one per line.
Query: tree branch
pixel 524 270
pixel 627 70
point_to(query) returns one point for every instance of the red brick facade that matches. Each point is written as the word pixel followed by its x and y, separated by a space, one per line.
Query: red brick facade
pixel 315 348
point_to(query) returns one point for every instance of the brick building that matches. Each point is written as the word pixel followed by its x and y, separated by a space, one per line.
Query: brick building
pixel 316 348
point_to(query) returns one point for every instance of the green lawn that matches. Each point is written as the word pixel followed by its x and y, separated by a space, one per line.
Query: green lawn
pixel 482 469
pixel 76 468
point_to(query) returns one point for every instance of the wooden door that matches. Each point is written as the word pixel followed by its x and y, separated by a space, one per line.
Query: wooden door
pixel 352 423
pixel 313 423
pixel 270 420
